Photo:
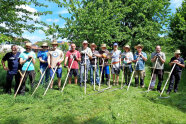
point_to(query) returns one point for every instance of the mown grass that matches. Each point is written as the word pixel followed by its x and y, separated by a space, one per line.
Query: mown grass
pixel 73 106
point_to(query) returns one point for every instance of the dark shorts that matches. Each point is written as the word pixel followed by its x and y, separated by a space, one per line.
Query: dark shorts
pixel 116 71
pixel 73 72
pixel 58 72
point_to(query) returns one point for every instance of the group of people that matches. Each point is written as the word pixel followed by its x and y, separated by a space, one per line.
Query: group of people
pixel 80 63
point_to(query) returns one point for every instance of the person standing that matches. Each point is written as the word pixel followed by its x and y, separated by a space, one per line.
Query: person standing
pixel 95 55
pixel 86 55
pixel 25 58
pixel 70 55
pixel 140 57
pixel 115 60
pixel 159 69
pixel 176 74
pixel 104 55
pixel 12 70
pixel 42 56
pixel 127 58
pixel 55 58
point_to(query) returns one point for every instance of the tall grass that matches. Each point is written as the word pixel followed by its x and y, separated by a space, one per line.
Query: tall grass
pixel 73 106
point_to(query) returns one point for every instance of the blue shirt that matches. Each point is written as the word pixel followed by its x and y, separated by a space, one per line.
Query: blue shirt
pixel 43 55
pixel 24 56
pixel 13 62
pixel 141 62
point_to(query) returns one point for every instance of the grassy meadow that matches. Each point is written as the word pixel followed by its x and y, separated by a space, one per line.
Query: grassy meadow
pixel 111 106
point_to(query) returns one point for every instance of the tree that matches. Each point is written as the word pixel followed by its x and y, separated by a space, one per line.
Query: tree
pixel 178 28
pixel 15 18
pixel 122 21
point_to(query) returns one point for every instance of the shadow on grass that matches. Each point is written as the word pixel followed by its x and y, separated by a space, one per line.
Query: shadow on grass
pixel 13 120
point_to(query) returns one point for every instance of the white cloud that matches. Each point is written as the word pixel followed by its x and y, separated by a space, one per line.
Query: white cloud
pixel 32 37
pixel 30 9
pixel 52 20
pixel 41 32
pixel 3 25
pixel 176 3
pixel 64 11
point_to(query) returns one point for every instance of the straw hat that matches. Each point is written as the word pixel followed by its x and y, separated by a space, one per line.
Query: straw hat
pixel 93 44
pixel 44 45
pixel 103 45
pixel 177 52
pixel 126 46
pixel 139 45
pixel 28 44
pixel 54 42
pixel 85 42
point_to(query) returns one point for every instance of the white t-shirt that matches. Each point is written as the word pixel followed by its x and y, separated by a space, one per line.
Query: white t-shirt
pixel 87 51
pixel 115 58
pixel 127 57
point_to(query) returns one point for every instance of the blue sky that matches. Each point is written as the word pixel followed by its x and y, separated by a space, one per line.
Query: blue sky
pixel 49 19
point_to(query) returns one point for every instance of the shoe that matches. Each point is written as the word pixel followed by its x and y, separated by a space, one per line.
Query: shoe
pixel 136 85
pixel 151 87
pixel 117 84
pixel 168 92
pixel 159 91
pixel 114 84
pixel 142 86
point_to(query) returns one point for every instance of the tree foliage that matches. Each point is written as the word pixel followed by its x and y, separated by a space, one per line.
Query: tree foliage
pixel 178 28
pixel 15 18
pixel 122 21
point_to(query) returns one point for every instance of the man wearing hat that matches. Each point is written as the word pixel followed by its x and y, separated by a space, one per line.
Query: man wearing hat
pixel 140 57
pixel 115 60
pixel 55 58
pixel 70 55
pixel 127 58
pixel 176 74
pixel 159 69
pixel 25 58
pixel 104 54
pixel 86 54
pixel 95 55
pixel 42 56
pixel 12 70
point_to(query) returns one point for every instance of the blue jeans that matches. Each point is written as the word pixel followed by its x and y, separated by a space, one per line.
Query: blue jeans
pixel 92 74
pixel 46 76
pixel 82 71
pixel 105 72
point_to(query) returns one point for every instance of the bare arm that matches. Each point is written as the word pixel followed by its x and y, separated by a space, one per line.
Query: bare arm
pixel 48 60
pixel 41 60
pixel 21 61
pixel 162 60
pixel 181 65
pixel 145 59
pixel 66 59
pixel 153 59
pixel 78 59
pixel 4 67
pixel 33 60
pixel 61 58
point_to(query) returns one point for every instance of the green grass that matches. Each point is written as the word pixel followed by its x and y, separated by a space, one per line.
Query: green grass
pixel 73 106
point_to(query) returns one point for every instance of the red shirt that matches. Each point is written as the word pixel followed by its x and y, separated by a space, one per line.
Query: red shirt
pixel 75 64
